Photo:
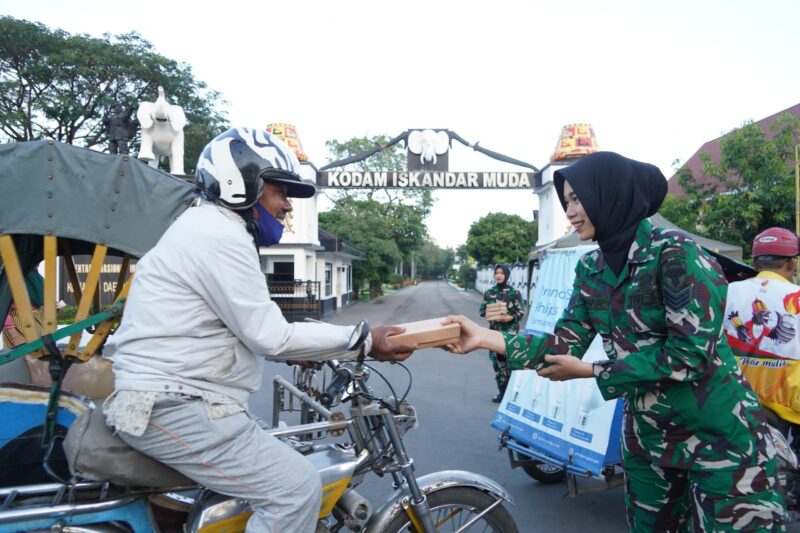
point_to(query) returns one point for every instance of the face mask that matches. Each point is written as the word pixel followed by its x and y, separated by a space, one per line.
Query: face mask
pixel 270 229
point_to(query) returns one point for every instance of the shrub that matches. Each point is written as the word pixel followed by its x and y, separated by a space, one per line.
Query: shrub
pixel 66 315
pixel 395 279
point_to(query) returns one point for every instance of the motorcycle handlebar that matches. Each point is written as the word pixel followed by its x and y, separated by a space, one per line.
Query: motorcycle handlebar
pixel 341 378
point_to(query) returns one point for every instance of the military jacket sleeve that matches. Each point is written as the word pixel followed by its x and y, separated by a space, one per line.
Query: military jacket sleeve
pixel 486 297
pixel 515 308
pixel 513 301
pixel 693 292
pixel 660 320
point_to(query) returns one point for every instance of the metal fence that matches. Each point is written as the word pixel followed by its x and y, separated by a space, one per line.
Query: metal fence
pixel 301 299
pixel 297 299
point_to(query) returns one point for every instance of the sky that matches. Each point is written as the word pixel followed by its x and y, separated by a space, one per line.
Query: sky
pixel 655 79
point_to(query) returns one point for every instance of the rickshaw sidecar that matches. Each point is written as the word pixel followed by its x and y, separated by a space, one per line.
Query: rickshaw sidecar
pixel 58 203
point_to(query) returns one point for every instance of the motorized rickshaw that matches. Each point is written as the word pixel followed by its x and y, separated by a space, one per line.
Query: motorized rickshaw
pixel 58 202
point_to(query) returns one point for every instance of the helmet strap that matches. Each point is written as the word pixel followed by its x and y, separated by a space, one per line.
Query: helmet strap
pixel 249 223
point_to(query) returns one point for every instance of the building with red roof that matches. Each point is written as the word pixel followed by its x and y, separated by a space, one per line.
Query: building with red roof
pixel 695 163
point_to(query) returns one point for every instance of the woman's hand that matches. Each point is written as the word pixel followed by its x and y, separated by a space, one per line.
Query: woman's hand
pixel 564 367
pixel 471 334
pixel 474 337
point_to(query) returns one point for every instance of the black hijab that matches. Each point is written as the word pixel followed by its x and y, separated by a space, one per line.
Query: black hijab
pixel 506 271
pixel 617 193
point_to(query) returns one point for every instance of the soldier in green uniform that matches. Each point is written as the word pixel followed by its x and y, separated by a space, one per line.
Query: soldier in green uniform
pixel 696 452
pixel 502 292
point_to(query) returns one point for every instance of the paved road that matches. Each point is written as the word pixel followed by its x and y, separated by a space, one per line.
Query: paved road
pixel 452 396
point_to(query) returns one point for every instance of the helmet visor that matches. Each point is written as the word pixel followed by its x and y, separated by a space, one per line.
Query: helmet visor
pixel 295 187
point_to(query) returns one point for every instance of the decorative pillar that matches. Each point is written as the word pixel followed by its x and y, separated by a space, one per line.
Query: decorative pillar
pixel 288 134
pixel 575 141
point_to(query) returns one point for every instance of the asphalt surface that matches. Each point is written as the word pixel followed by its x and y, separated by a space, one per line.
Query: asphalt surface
pixel 452 396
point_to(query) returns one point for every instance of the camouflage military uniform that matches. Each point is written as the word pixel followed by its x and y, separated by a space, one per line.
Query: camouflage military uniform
pixel 695 448
pixel 512 297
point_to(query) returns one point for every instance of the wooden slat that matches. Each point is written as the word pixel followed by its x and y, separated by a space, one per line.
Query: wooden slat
pixel 90 288
pixel 50 255
pixel 104 328
pixel 13 270
pixel 72 274
pixel 123 275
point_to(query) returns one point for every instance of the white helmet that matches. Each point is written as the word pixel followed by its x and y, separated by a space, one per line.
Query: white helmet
pixel 233 166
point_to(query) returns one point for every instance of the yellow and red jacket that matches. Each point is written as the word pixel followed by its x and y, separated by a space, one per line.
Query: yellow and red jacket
pixel 761 324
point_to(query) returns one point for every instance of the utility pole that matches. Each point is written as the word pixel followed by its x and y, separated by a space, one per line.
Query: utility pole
pixel 797 189
pixel 797 199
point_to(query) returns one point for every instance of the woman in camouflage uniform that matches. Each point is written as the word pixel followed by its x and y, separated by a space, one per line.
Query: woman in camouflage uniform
pixel 695 448
pixel 502 292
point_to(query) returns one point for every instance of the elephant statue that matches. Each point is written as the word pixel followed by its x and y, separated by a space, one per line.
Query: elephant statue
pixel 162 132
pixel 428 144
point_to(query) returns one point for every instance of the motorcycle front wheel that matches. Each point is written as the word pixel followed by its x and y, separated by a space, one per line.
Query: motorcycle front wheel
pixel 452 508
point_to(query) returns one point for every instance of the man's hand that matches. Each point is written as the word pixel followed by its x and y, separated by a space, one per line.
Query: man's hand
pixel 383 351
pixel 564 367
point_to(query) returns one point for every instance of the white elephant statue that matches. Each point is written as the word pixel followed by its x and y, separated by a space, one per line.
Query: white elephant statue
pixel 428 144
pixel 162 132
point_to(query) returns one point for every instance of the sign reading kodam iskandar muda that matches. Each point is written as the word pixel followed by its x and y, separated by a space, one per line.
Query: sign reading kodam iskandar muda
pixel 438 180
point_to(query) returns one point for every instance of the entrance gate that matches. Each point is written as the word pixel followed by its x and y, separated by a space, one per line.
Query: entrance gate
pixel 427 168
pixel 428 159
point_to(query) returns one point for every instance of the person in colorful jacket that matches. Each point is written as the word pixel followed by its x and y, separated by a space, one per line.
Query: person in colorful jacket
pixel 502 292
pixel 695 448
pixel 761 325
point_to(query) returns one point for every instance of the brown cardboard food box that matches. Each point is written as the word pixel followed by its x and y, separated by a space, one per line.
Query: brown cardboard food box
pixel 427 333
pixel 496 310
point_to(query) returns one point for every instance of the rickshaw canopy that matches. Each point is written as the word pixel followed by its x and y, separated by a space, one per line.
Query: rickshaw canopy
pixel 51 188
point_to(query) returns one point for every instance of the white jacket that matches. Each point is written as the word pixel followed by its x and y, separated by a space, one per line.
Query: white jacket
pixel 199 309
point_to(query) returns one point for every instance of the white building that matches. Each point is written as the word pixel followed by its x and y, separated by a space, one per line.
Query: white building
pixel 552 219
pixel 574 142
pixel 310 272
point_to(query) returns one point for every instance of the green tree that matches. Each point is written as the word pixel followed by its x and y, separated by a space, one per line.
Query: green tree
pixel 467 274
pixel 433 261
pixel 749 190
pixel 464 267
pixel 361 222
pixel 389 225
pixel 500 238
pixel 462 256
pixel 62 86
pixel 392 158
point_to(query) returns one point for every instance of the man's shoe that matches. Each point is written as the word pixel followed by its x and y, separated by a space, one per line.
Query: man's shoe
pixel 497 398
